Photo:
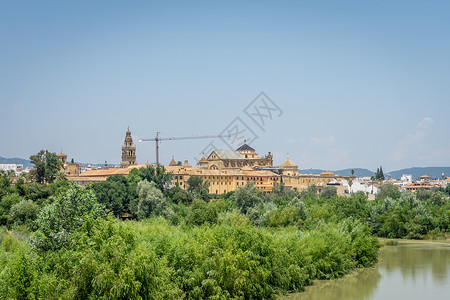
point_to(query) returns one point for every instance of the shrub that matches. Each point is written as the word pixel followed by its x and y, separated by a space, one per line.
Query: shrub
pixel 24 213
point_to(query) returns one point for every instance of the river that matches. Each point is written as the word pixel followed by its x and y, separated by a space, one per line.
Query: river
pixel 412 270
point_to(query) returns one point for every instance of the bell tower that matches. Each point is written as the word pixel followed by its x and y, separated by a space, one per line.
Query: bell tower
pixel 128 151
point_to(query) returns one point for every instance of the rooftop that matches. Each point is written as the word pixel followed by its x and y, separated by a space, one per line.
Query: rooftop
pixel 245 147
pixel 288 163
pixel 226 154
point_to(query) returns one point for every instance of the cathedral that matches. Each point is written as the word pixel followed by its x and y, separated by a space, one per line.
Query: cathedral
pixel 128 151
pixel 244 156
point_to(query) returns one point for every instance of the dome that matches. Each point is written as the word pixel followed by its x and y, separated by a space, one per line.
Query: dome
pixel 172 162
pixel 186 164
pixel 288 164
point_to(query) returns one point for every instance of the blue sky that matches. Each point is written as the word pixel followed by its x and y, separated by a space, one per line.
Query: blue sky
pixel 359 84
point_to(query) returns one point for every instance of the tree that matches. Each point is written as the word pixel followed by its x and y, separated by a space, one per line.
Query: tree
pixel 6 203
pixel 46 166
pixel 350 183
pixel 280 190
pixel 56 222
pixel 116 193
pixel 5 184
pixel 151 200
pixel 328 192
pixel 178 195
pixel 379 175
pixel 247 197
pixel 309 193
pixel 198 187
pixel 201 212
pixel 353 172
pixel 158 175
pixel 388 190
pixel 24 212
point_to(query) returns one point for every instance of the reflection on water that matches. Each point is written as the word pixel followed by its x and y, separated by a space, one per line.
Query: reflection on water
pixel 411 270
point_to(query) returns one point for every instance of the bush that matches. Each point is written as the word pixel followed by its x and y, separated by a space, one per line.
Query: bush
pixel 24 213
pixel 6 203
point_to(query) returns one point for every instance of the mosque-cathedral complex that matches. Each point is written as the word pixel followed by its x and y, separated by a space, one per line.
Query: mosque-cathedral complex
pixel 224 170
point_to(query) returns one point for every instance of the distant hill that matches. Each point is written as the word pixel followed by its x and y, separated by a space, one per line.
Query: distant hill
pixel 25 162
pixel 416 172
pixel 359 172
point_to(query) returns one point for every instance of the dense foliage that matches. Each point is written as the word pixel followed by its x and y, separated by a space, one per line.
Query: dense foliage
pixel 57 238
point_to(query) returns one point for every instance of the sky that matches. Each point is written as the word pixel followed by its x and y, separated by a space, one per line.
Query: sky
pixel 332 84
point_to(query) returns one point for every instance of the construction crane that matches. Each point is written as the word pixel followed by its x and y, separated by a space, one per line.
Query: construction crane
pixel 157 139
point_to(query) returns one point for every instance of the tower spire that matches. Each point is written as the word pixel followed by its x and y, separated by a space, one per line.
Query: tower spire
pixel 128 151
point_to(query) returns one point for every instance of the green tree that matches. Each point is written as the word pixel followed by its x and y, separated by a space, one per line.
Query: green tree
pixel 388 190
pixel 151 200
pixel 247 197
pixel 309 193
pixel 116 193
pixel 5 183
pixel 57 221
pixel 178 195
pixel 24 212
pixel 379 175
pixel 198 187
pixel 283 194
pixel 201 212
pixel 46 166
pixel 158 175
pixel 6 203
pixel 328 192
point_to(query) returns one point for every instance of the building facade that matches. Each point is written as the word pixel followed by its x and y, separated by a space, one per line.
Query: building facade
pixel 69 169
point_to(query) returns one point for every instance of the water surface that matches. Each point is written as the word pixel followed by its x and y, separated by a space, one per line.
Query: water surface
pixel 412 270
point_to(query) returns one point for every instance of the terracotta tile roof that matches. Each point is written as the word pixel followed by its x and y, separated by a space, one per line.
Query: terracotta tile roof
pixel 111 171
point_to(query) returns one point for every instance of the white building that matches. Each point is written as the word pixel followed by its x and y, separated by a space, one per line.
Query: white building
pixel 406 178
pixel 17 168
pixel 365 186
